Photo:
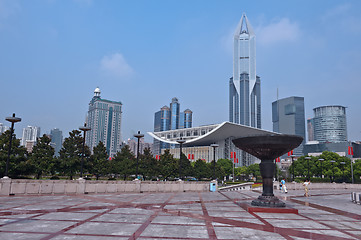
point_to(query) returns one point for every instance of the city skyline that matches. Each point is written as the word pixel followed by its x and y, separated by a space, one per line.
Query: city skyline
pixel 51 64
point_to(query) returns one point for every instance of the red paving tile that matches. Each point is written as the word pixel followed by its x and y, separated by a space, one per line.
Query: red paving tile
pixel 95 216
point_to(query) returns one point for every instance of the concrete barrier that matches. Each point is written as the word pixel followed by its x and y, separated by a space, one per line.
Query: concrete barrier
pixel 24 186
pixel 299 186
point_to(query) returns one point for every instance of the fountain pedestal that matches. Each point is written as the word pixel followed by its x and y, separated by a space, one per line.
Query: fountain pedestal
pixel 267 148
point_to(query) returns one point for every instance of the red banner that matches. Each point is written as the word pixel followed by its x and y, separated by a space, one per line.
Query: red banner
pixel 350 150
pixel 192 156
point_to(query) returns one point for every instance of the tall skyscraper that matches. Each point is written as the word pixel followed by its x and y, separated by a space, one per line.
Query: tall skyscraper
pixel 56 140
pixel 288 117
pixel 330 124
pixel 30 134
pixel 170 118
pixel 245 85
pixel 104 119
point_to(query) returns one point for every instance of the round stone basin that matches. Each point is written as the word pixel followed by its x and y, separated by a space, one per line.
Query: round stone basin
pixel 268 147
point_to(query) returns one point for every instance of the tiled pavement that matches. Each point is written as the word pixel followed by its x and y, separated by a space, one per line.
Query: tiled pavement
pixel 208 215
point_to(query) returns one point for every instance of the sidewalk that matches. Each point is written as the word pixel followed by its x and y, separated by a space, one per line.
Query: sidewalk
pixel 209 215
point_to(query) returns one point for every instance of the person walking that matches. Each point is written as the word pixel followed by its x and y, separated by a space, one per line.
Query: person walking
pixel 284 188
pixel 305 184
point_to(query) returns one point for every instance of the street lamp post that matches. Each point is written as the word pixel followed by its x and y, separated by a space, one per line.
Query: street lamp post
pixel 84 129
pixel 139 136
pixel 214 146
pixel 343 171
pixel 321 160
pixel 13 120
pixel 308 167
pixel 293 168
pixel 181 142
pixel 333 173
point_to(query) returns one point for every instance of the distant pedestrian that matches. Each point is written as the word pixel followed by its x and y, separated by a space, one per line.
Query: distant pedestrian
pixel 305 184
pixel 284 187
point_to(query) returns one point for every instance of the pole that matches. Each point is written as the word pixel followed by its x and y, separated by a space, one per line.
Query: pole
pixel 13 120
pixel 10 141
pixel 82 158
pixel 84 129
pixel 138 136
pixel 293 169
pixel 180 141
pixel 214 146
pixel 333 174
pixel 351 171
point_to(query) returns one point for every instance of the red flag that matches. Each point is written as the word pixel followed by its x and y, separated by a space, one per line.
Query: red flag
pixel 189 156
pixel 350 150
pixel 234 154
pixel 278 159
pixel 237 160
pixel 231 154
pixel 110 158
pixel 192 156
pixel 234 160
pixel 288 154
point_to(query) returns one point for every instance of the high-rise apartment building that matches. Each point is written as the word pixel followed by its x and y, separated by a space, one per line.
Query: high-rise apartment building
pixel 245 85
pixel 30 137
pixel 30 134
pixel 170 118
pixel 104 118
pixel 330 124
pixel 56 140
pixel 133 145
pixel 288 117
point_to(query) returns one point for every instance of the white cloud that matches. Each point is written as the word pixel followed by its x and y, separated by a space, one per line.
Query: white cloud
pixel 115 66
pixel 278 32
pixel 336 11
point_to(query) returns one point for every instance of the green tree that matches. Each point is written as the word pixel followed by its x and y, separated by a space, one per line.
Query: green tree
pixel 254 170
pixel 186 167
pixel 168 166
pixel 149 167
pixel 201 169
pixel 227 166
pixel 98 163
pixel 123 163
pixel 42 157
pixel 71 152
pixel 18 164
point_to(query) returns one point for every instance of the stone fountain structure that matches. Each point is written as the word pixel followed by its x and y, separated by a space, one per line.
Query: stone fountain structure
pixel 267 148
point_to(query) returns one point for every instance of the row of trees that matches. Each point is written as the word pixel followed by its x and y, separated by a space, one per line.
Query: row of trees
pixel 339 170
pixel 41 162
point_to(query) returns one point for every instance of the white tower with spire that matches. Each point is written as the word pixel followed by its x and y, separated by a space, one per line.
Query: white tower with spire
pixel 245 85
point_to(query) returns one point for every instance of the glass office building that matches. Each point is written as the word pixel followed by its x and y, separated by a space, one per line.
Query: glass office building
pixel 330 124
pixel 288 117
pixel 245 85
pixel 56 140
pixel 104 119
pixel 170 118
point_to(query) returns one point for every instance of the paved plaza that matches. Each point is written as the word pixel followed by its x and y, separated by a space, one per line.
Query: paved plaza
pixel 327 214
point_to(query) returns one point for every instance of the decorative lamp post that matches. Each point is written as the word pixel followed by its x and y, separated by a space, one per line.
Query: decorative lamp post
pixel 181 142
pixel 343 171
pixel 139 136
pixel 333 173
pixel 308 167
pixel 214 146
pixel 293 168
pixel 13 120
pixel 321 160
pixel 84 129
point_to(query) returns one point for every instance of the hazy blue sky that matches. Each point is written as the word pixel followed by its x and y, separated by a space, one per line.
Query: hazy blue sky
pixel 54 53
